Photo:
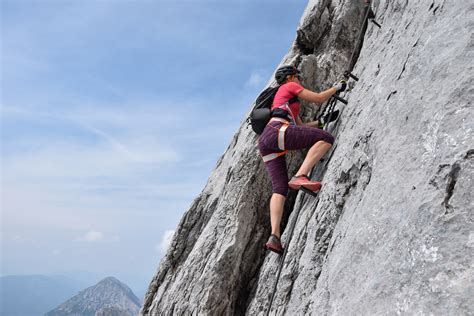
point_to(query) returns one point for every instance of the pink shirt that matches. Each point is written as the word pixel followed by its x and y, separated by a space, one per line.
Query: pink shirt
pixel 285 93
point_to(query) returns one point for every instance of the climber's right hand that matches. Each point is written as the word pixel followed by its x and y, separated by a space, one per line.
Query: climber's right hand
pixel 340 86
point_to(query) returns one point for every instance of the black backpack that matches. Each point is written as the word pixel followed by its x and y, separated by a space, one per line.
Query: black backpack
pixel 262 113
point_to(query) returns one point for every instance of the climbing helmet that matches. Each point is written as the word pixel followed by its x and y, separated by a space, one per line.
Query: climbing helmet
pixel 284 71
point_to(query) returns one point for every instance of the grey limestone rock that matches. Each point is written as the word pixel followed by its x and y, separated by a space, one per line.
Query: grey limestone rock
pixel 391 232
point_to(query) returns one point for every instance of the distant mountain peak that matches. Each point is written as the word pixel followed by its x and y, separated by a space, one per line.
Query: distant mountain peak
pixel 108 297
pixel 111 279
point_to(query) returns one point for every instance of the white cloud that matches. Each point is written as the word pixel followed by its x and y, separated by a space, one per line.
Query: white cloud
pixel 93 236
pixel 121 134
pixel 165 242
pixel 79 161
pixel 256 80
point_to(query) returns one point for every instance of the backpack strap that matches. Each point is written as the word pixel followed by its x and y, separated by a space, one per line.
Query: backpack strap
pixel 293 100
pixel 286 106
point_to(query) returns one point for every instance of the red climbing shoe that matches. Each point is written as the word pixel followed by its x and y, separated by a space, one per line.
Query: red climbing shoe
pixel 302 181
pixel 274 244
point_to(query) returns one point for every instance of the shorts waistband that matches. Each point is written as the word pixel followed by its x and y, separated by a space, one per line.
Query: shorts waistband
pixel 279 119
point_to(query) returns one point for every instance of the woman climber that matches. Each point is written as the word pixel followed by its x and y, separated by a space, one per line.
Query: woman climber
pixel 285 131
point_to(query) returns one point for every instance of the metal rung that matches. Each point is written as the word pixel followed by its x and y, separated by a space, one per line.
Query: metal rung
pixel 338 98
pixel 308 191
pixel 348 74
pixel 376 23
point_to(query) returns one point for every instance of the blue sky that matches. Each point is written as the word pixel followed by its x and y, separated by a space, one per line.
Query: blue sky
pixel 113 114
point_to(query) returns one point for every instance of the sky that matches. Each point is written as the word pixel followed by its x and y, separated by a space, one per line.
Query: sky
pixel 114 114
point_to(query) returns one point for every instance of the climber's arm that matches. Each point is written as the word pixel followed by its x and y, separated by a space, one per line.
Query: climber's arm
pixel 321 97
pixel 315 97
pixel 310 124
pixel 299 121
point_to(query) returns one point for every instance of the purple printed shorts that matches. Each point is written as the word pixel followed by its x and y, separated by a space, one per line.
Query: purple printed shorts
pixel 295 137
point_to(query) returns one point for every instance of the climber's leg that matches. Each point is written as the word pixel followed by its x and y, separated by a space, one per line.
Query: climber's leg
pixel 315 153
pixel 277 203
pixel 299 137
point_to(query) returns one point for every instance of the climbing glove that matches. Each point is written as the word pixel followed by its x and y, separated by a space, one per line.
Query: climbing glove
pixel 340 85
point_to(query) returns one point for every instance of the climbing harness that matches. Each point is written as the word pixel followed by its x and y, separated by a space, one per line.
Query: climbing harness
pixel 281 140
pixel 369 15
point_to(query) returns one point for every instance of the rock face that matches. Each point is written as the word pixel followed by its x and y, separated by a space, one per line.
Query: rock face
pixel 392 230
pixel 109 297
